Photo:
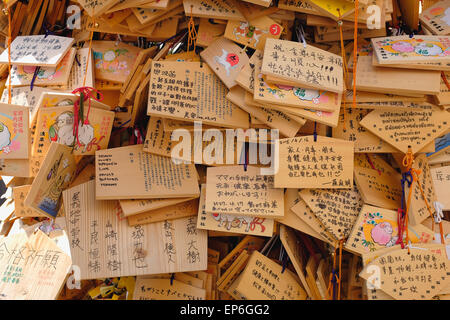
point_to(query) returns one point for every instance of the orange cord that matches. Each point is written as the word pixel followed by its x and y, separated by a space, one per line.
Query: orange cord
pixel 90 52
pixel 408 161
pixel 330 284
pixel 355 51
pixel 444 77
pixel 192 33
pixel 9 55
pixel 339 245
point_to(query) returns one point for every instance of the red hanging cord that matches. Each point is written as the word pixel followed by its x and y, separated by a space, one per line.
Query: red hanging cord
pixel 86 94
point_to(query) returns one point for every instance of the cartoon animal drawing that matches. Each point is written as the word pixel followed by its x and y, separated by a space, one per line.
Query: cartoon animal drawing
pixel 228 60
pixel 230 221
pixel 5 138
pixel 85 134
pixel 62 130
pixel 245 30
pixel 382 234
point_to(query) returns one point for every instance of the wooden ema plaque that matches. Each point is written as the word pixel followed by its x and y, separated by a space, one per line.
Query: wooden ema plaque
pixel 415 127
pixel 96 8
pixel 231 190
pixel 283 286
pixel 55 174
pixel 246 78
pixel 426 65
pixel 365 141
pixel 190 91
pixel 292 96
pixel 418 275
pixel 166 289
pixel 310 66
pixel 130 173
pixel 117 249
pixel 303 212
pixel 405 50
pixel 212 9
pixel 208 32
pixel 441 181
pixel 336 209
pixel 377 228
pixel 132 207
pixel 38 50
pixel 226 59
pixel 291 220
pixel 14 132
pixel 232 223
pixel 275 119
pixel 46 76
pixel 56 124
pixel 395 81
pixel 418 211
pixel 293 248
pixel 298 6
pixel 20 209
pixel 262 28
pixel 113 61
pixel 175 211
pixel 305 163
pixel 33 267
pixel 435 18
pixel 378 188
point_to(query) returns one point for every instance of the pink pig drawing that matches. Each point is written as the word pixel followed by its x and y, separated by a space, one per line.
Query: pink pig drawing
pixel 382 234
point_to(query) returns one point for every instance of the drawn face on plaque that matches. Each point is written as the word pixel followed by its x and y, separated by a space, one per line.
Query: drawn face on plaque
pixel 11 128
pixel 228 60
pixel 252 33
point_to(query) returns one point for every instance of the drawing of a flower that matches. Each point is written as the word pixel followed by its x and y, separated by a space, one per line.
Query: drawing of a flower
pixel 123 65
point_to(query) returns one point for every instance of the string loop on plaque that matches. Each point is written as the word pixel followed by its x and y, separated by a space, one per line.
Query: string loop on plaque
pixel 86 94
pixel 315 131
